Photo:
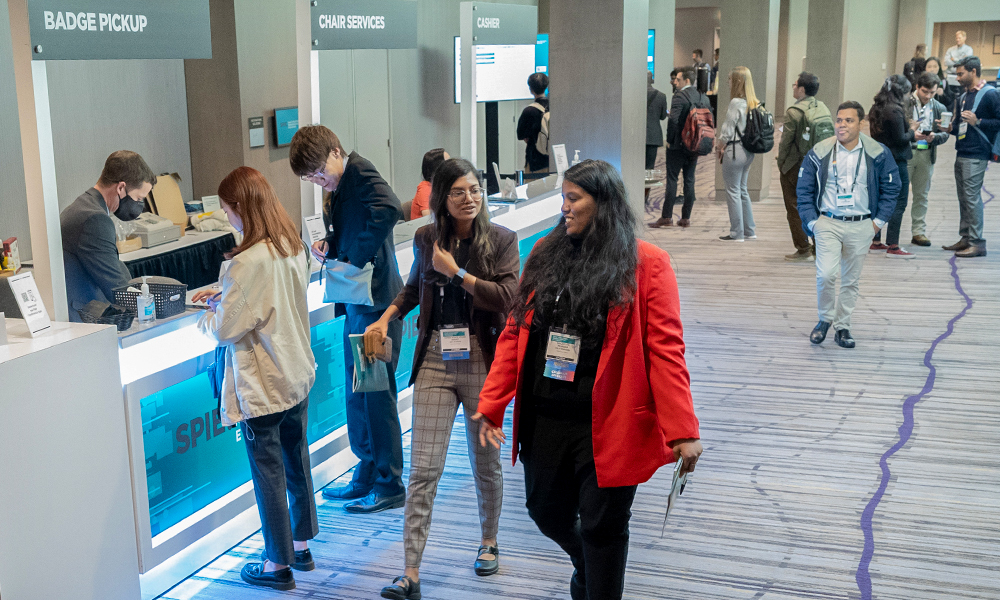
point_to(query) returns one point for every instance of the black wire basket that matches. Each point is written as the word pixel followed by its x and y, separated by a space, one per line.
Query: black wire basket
pixel 123 321
pixel 169 295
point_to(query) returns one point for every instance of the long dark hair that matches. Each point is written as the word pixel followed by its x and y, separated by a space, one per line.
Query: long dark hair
pixel 599 272
pixel 445 176
pixel 888 99
pixel 940 71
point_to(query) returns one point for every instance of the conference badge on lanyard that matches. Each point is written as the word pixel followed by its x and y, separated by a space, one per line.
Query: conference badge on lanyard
pixel 562 354
pixel 456 344
pixel 846 198
pixel 963 128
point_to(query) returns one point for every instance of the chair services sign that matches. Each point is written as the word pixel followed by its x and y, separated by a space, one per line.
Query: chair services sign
pixel 353 25
pixel 119 29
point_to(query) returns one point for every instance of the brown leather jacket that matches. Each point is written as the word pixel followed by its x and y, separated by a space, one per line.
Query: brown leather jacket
pixel 489 300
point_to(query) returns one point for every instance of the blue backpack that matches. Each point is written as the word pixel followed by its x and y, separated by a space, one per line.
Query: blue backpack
pixel 995 153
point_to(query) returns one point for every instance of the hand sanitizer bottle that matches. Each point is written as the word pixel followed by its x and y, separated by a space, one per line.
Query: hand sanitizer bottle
pixel 144 304
pixel 576 158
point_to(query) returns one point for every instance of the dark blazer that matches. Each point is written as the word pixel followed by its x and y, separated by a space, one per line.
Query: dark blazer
pixel 940 136
pixel 681 104
pixel 656 111
pixel 883 180
pixel 359 216
pixel 90 255
pixel 489 300
pixel 895 133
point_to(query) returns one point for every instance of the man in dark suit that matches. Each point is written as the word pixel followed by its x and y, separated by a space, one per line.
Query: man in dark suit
pixel 656 111
pixel 360 211
pixel 678 157
pixel 90 255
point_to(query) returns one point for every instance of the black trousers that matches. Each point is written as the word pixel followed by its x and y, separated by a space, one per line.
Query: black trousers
pixel 651 156
pixel 588 522
pixel 896 221
pixel 677 161
pixel 372 419
pixel 279 462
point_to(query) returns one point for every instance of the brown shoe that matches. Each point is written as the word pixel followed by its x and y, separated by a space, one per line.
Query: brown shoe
pixel 972 251
pixel 958 246
pixel 802 256
pixel 920 240
pixel 661 222
pixel 684 223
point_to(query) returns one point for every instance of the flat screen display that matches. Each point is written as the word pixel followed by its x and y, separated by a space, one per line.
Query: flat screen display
pixel 286 123
pixel 501 72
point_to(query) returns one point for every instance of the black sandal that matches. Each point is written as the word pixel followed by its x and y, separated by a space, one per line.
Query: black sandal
pixel 402 588
pixel 487 567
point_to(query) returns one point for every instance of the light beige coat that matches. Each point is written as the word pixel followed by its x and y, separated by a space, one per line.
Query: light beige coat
pixel 263 320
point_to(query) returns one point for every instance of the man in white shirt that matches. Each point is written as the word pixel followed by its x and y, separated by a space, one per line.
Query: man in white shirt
pixel 954 54
pixel 847 190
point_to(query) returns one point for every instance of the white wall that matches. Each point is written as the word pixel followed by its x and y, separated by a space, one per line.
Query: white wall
pixel 13 198
pixel 871 48
pixel 695 28
pixel 105 105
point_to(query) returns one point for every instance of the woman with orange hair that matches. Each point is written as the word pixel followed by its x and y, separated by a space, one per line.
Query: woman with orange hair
pixel 262 319
pixel 735 159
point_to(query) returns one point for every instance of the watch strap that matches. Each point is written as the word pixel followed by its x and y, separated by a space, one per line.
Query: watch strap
pixel 459 277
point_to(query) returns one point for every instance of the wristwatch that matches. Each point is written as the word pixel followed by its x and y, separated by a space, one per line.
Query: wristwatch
pixel 459 277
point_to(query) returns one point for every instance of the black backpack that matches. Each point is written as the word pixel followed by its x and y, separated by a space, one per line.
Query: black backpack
pixel 758 136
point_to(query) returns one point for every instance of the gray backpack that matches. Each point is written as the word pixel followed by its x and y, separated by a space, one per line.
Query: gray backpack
pixel 542 141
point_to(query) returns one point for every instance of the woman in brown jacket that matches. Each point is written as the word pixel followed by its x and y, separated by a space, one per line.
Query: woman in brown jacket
pixel 464 274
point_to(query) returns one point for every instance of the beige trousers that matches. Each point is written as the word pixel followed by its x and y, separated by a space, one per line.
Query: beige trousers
pixel 840 246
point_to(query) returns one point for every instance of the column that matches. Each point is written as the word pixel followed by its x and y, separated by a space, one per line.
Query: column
pixel 597 53
pixel 826 49
pixel 913 29
pixel 661 19
pixel 793 27
pixel 749 38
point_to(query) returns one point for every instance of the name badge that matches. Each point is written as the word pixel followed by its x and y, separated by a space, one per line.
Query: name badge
pixel 562 355
pixel 962 129
pixel 805 136
pixel 845 199
pixel 922 145
pixel 456 344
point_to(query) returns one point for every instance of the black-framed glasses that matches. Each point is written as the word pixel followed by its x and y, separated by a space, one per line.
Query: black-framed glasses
pixel 459 195
pixel 315 175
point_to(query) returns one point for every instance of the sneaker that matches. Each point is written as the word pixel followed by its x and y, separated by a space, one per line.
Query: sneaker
pixel 729 238
pixel 897 252
pixel 877 247
pixel 751 237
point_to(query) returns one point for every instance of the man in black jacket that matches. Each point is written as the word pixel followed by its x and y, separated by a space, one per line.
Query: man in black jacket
pixel 656 111
pixel 90 256
pixel 360 211
pixel 678 157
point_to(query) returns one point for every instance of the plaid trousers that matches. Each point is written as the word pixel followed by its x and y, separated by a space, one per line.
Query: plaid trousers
pixel 440 387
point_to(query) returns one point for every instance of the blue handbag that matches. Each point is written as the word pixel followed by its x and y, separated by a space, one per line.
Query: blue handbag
pixel 346 284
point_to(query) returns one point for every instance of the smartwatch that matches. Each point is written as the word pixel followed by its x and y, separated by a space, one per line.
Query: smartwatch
pixel 459 277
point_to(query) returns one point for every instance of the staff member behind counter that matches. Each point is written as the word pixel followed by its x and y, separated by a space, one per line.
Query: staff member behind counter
pixel 90 255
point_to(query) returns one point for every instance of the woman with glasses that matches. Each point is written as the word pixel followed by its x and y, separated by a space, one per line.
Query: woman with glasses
pixel 464 274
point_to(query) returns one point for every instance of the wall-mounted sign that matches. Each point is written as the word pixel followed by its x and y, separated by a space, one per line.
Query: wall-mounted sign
pixel 513 24
pixel 286 123
pixel 113 29
pixel 349 24
pixel 256 128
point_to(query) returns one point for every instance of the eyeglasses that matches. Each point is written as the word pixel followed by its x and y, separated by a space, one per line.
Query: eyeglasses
pixel 315 175
pixel 458 195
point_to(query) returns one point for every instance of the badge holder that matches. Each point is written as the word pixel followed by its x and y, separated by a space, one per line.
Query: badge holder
pixel 562 354
pixel 456 343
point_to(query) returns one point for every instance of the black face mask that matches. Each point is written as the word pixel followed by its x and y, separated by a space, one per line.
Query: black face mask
pixel 128 209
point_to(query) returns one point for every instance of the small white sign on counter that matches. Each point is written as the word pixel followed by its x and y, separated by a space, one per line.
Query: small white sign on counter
pixel 30 302
pixel 562 162
pixel 210 204
pixel 3 330
pixel 313 228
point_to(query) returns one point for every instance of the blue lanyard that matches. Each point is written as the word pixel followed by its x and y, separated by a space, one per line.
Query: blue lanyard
pixel 857 171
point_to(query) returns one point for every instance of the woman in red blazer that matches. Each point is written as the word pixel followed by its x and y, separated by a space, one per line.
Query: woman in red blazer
pixel 594 352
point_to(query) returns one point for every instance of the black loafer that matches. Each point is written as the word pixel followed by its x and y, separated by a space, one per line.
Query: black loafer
pixel 843 338
pixel 402 588
pixel 303 560
pixel 347 492
pixel 375 502
pixel 253 573
pixel 819 332
pixel 487 567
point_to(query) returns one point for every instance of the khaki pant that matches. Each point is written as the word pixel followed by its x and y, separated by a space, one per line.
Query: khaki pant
pixel 788 182
pixel 921 170
pixel 840 245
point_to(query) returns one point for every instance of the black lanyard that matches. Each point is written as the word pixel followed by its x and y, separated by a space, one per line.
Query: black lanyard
pixel 857 171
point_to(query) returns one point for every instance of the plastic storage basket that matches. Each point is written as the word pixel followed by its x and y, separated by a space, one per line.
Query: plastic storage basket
pixel 122 322
pixel 169 295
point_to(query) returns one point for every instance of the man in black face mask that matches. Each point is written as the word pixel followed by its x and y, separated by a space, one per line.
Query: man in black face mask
pixel 90 255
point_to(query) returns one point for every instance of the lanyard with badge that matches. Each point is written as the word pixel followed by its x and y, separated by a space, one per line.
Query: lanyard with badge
pixel 846 198
pixel 456 342
pixel 562 352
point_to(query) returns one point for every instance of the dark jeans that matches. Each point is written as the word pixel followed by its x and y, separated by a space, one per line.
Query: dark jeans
pixel 678 160
pixel 588 522
pixel 651 156
pixel 788 182
pixel 896 221
pixel 279 461
pixel 372 419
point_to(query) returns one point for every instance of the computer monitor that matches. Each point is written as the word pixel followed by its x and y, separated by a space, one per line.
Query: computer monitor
pixel 285 124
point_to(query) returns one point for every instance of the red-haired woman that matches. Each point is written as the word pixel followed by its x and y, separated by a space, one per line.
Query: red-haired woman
pixel 262 318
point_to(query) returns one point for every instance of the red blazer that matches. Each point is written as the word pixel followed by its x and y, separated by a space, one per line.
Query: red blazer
pixel 642 395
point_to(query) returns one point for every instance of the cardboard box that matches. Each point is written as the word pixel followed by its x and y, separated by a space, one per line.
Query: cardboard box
pixel 167 202
pixel 132 244
pixel 10 251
